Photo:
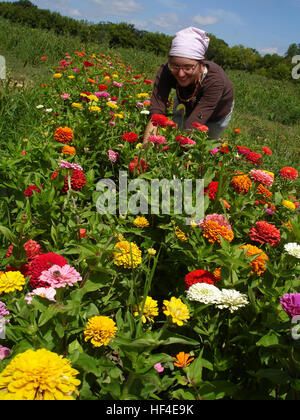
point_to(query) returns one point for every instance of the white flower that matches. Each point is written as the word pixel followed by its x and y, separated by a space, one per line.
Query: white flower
pixel 204 293
pixel 48 110
pixel 45 292
pixel 231 299
pixel 145 111
pixel 39 106
pixel 293 249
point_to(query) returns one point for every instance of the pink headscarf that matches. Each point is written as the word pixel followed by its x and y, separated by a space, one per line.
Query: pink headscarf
pixel 190 43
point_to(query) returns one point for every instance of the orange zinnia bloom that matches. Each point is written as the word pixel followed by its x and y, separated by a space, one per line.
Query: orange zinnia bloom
pixel 212 230
pixel 241 183
pixel 69 150
pixel 183 359
pixel 63 135
pixel 258 264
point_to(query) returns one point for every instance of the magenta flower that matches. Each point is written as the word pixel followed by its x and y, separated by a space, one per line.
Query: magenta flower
pixel 4 352
pixel 157 139
pixel 65 96
pixel 58 276
pixel 68 165
pixel 113 156
pixel 214 151
pixel 102 94
pixel 290 303
pixel 159 367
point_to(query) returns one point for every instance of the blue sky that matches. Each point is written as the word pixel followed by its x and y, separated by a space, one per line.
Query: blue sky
pixel 269 26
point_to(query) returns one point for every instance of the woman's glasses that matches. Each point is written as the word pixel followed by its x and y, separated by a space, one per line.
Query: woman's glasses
pixel 187 68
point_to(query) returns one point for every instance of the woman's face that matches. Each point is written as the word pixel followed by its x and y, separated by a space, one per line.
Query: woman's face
pixel 185 70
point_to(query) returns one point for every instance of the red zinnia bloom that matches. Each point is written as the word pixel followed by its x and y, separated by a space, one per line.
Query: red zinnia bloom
pixel 266 150
pixel 148 81
pixel 41 263
pixel 212 189
pixel 289 173
pixel 199 276
pixel 141 165
pixel 200 127
pixel 130 137
pixel 254 158
pixel 264 232
pixel 78 181
pixel 102 87
pixel 159 120
pixel 32 249
pixel 243 150
pixel 88 64
pixel 182 140
pixel 30 189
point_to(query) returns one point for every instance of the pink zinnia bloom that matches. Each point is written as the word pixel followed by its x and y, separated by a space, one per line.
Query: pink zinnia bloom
pixel 157 139
pixel 65 96
pixel 45 292
pixel 117 84
pixel 113 156
pixel 68 165
pixel 219 218
pixel 262 177
pixel 4 352
pixel 102 94
pixel 214 151
pixel 58 276
pixel 159 367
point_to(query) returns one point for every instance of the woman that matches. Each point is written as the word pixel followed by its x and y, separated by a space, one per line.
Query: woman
pixel 201 86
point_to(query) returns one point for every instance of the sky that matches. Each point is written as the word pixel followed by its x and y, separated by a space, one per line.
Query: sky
pixel 269 26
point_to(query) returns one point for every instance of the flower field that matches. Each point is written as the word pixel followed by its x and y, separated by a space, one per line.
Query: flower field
pixel 141 305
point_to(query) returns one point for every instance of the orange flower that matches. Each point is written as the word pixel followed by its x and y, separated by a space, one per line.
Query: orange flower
pixel 226 204
pixel 217 274
pixel 212 230
pixel 63 135
pixel 241 183
pixel 261 189
pixel 258 263
pixel 237 130
pixel 183 359
pixel 69 150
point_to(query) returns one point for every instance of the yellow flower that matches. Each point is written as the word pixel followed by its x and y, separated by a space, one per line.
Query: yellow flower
pixel 183 359
pixel 71 76
pixel 150 310
pixel 177 310
pixel 57 75
pixel 93 98
pixel 38 375
pixel 180 235
pixel 115 76
pixel 130 255
pixel 151 251
pixel 100 330
pixel 94 108
pixel 112 105
pixel 119 115
pixel 76 105
pixel 143 95
pixel 288 204
pixel 11 281
pixel 141 222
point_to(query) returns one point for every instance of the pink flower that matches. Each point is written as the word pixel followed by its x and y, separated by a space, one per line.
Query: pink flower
pixel 4 352
pixel 219 218
pixel 65 96
pixel 214 151
pixel 157 139
pixel 58 276
pixel 68 165
pixel 113 156
pixel 102 94
pixel 45 292
pixel 117 84
pixel 159 367
pixel 262 177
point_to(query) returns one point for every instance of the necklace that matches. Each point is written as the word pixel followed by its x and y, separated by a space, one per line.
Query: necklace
pixel 193 97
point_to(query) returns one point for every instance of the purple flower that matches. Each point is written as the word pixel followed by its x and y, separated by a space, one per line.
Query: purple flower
pixel 290 303
pixel 4 352
pixel 3 310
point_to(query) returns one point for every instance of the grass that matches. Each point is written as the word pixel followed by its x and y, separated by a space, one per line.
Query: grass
pixel 266 110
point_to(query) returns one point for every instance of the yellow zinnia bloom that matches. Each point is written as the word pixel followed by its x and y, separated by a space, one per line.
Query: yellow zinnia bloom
pixel 151 251
pixel 94 108
pixel 180 235
pixel 100 330
pixel 11 281
pixel 130 255
pixel 288 204
pixel 141 222
pixel 112 105
pixel 71 76
pixel 38 375
pixel 176 310
pixel 57 75
pixel 150 310
pixel 76 105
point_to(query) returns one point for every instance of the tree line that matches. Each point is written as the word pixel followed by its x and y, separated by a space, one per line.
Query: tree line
pixel 125 35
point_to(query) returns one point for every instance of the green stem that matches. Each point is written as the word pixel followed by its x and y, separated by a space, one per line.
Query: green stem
pixel 127 386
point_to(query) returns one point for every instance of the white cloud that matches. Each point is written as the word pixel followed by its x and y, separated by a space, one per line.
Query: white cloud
pixel 117 7
pixel 205 20
pixel 167 21
pixel 268 50
pixel 227 16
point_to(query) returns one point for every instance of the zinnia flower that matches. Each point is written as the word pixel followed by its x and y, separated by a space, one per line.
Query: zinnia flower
pixel 4 352
pixel 58 276
pixel 38 375
pixel 100 330
pixel 232 300
pixel 289 173
pixel 288 204
pixel 77 181
pixel 113 156
pixel 290 302
pixel 212 229
pixel 11 281
pixel 203 293
pixel 150 310
pixel 262 177
pixel 176 310
pixel 130 255
pixel 158 367
pixel 264 191
pixel 68 165
pixel 183 141
pixel 292 248
pixel 31 247
pixel 63 135
pixel 241 183
pixel 199 276
pixel 212 190
pixel 30 189
pixel 130 137
pixel 141 222
pixel 183 359
pixel 265 232
pixel 159 120
pixel 200 127
pixel 266 150
pixel 258 264
pixel 136 165
pixel 3 310
pixel 157 139
pixel 47 293
pixel 41 263
pixel 180 234
pixel 69 150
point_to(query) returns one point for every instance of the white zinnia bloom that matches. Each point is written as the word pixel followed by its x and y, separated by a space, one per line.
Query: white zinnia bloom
pixel 293 249
pixel 39 106
pixel 232 300
pixel 145 111
pixel 204 293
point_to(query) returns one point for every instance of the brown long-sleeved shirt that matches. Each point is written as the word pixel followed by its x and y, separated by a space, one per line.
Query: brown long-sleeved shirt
pixel 213 100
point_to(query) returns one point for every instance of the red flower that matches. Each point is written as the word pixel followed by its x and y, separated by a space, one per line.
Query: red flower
pixel 30 189
pixel 264 232
pixel 212 189
pixel 289 173
pixel 148 81
pixel 141 166
pixel 88 64
pixel 41 263
pixel 159 120
pixel 200 127
pixel 102 87
pixel 182 140
pixel 266 150
pixel 254 158
pixel 199 276
pixel 78 181
pixel 32 249
pixel 130 137
pixel 243 150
